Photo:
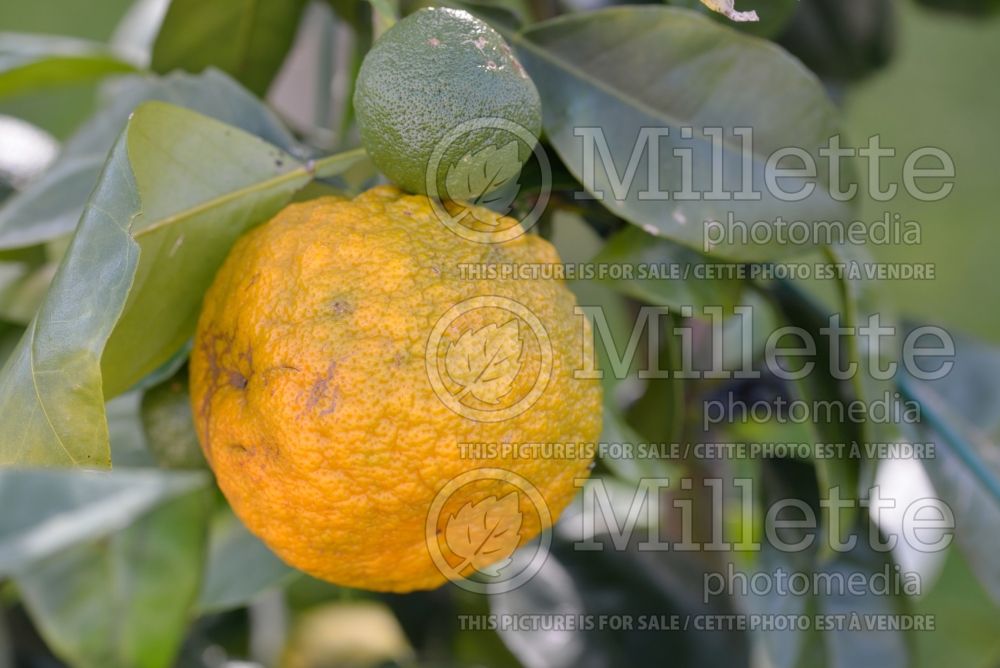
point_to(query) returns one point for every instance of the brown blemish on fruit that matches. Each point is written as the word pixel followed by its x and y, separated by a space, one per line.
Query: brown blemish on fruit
pixel 513 59
pixel 215 348
pixel 320 392
pixel 340 307
pixel 269 451
pixel 237 380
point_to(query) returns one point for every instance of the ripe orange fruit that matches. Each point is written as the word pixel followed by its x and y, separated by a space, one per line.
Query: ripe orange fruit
pixel 345 373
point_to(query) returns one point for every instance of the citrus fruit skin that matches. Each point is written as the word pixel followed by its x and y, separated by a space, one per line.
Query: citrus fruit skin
pixel 429 73
pixel 312 397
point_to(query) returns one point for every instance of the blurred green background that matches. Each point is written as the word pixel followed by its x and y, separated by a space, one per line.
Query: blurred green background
pixel 941 90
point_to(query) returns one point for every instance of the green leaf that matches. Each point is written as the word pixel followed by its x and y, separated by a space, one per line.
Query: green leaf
pixel 843 40
pixel 178 190
pixel 201 188
pixel 248 39
pixel 820 388
pixel 659 414
pixel 860 299
pixel 386 14
pixel 705 75
pixel 123 601
pixel 51 205
pixel 641 584
pixel 849 648
pixel 614 330
pixel 30 62
pixel 169 424
pixel 52 378
pixel 358 18
pixel 6 646
pixel 783 647
pixel 10 334
pixel 125 433
pixel 651 264
pixel 857 300
pixel 971 389
pixel 960 414
pixel 24 278
pixel 47 512
pixel 615 430
pixel 239 566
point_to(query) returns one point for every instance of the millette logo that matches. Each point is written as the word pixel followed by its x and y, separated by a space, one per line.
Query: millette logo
pixel 476 523
pixel 489 358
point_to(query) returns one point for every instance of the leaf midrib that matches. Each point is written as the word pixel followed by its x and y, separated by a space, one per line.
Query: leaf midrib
pixel 260 186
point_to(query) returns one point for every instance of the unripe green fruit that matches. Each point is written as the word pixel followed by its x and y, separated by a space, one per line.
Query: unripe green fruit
pixel 426 76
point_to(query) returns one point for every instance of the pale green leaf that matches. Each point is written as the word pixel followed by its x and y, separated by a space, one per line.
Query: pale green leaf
pixel 48 511
pixel 51 205
pixel 123 601
pixel 30 62
pixel 239 566
pixel 178 190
